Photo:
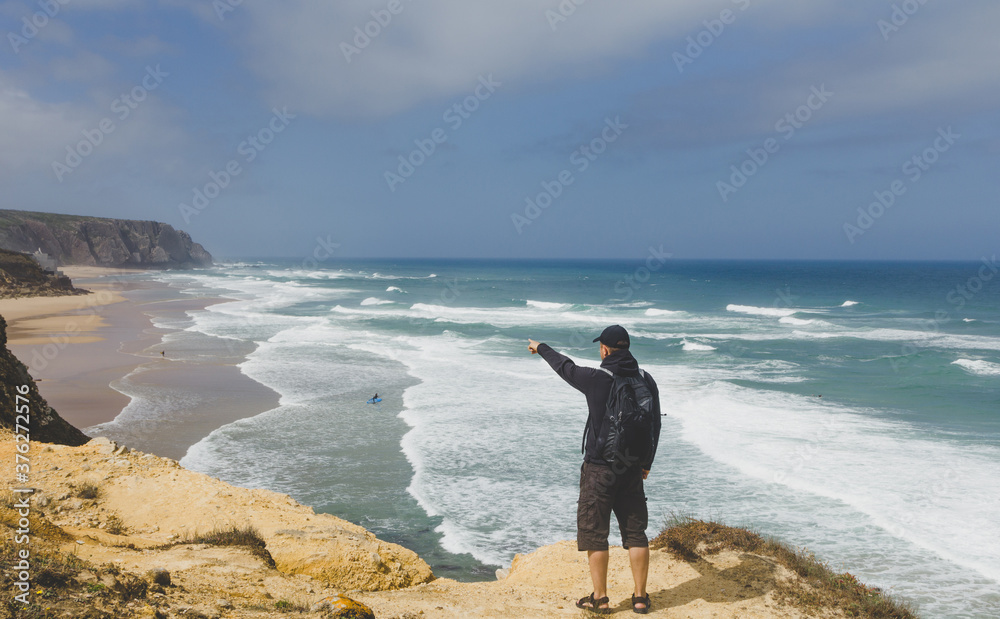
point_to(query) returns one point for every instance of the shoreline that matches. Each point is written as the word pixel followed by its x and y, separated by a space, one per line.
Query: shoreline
pixel 177 373
pixel 92 355
pixel 109 379
pixel 71 345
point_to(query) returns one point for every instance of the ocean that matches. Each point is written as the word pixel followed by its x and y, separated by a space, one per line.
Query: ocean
pixel 851 409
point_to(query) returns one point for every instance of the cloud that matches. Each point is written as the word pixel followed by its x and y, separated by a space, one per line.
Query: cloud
pixel 102 5
pixel 942 55
pixel 938 68
pixel 31 132
pixel 311 54
pixel 140 47
pixel 83 66
pixel 35 133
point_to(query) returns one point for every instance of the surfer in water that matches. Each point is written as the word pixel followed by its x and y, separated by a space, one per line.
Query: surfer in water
pixel 374 398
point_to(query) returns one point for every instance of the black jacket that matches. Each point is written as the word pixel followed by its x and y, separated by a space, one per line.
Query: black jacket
pixel 596 386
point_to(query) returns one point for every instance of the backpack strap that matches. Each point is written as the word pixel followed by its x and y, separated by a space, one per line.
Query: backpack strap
pixel 612 374
pixel 586 429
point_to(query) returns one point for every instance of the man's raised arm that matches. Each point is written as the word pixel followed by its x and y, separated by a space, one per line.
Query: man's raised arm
pixel 563 365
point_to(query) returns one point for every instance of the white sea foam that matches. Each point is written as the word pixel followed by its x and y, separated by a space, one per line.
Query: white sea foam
pixel 979 367
pixel 378 275
pixel 548 305
pixel 662 312
pixel 762 311
pixel 928 339
pixel 849 303
pixel 925 339
pixel 805 322
pixel 393 289
pixel 505 316
pixel 312 274
pixel 375 301
pixel 473 482
pixel 695 347
pixel 538 313
pixel 241 265
pixel 938 496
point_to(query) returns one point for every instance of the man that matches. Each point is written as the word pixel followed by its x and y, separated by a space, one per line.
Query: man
pixel 604 488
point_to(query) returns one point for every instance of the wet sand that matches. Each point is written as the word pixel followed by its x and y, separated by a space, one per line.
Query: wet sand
pixel 77 347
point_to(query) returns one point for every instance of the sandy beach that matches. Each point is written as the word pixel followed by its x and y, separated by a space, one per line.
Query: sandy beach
pixel 77 347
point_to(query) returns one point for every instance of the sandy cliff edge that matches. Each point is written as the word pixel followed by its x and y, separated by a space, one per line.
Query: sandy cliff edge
pixel 158 502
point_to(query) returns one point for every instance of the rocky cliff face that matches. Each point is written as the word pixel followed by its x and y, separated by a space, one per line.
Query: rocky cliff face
pixel 21 276
pixel 45 424
pixel 97 241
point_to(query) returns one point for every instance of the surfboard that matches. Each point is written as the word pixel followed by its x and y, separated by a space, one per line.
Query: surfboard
pixel 374 400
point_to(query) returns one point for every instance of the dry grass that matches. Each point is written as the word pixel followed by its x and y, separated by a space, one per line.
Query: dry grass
pixel 687 537
pixel 56 591
pixel 246 536
pixel 87 490
pixel 115 525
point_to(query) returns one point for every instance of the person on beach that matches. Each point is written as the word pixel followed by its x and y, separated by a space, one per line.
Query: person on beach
pixel 608 488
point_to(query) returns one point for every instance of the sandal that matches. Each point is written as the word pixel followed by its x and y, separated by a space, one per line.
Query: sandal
pixel 640 600
pixel 595 604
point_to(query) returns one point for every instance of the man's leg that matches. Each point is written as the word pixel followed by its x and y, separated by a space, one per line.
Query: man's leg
pixel 639 558
pixel 593 519
pixel 633 518
pixel 598 560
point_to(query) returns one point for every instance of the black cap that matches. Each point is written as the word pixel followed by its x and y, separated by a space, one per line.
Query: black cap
pixel 614 336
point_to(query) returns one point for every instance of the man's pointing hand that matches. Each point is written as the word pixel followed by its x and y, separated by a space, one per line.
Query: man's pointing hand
pixel 533 346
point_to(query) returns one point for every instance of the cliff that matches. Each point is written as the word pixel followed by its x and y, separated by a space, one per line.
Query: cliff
pixel 119 534
pixel 21 276
pixel 99 241
pixel 106 519
pixel 45 423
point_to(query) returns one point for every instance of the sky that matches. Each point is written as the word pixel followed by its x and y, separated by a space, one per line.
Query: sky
pixel 730 129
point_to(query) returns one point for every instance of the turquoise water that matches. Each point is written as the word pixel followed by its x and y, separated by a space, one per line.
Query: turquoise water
pixel 850 408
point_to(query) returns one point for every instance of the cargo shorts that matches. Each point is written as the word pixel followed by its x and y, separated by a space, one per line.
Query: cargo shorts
pixel 602 491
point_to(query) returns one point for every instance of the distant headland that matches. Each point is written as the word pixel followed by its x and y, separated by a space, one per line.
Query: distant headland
pixel 100 241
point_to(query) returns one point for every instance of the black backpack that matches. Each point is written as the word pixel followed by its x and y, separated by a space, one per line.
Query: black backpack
pixel 627 435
